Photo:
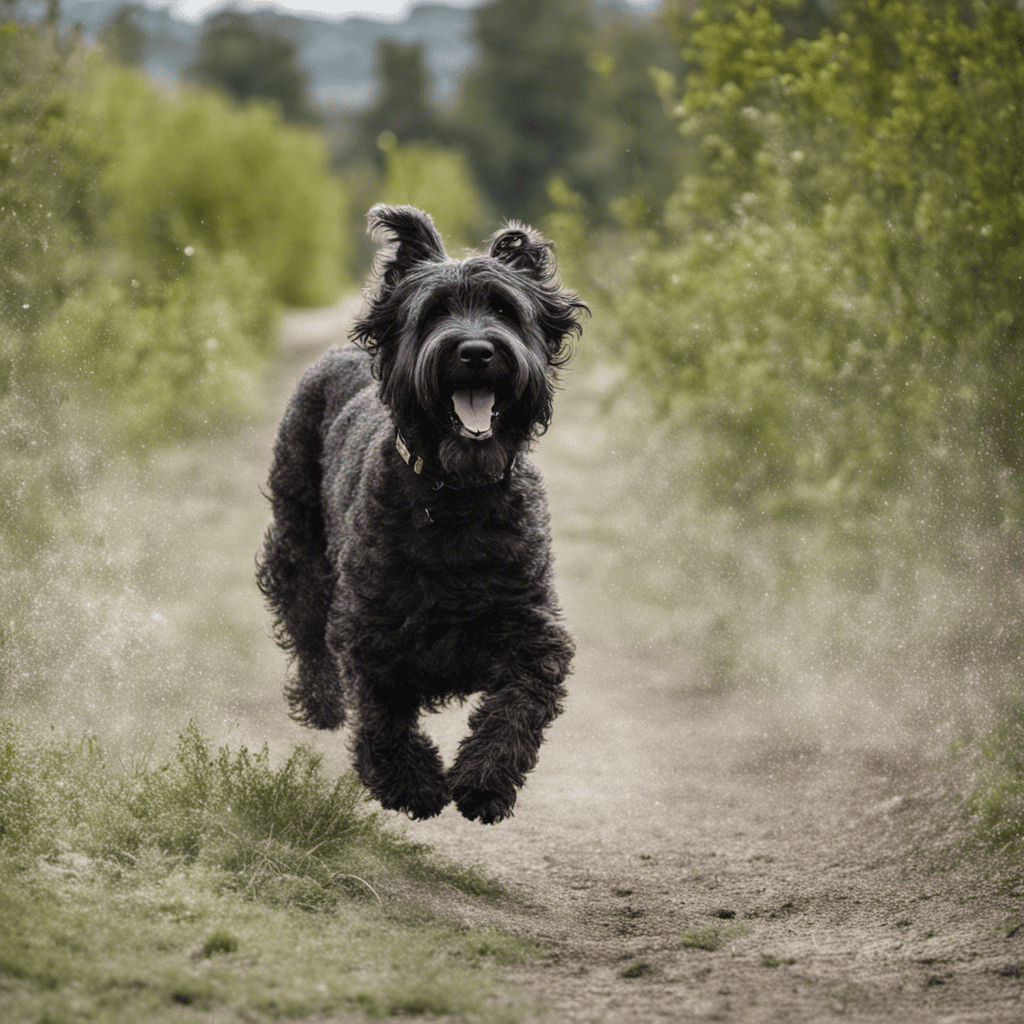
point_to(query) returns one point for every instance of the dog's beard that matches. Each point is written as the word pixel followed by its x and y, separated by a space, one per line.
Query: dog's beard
pixel 468 461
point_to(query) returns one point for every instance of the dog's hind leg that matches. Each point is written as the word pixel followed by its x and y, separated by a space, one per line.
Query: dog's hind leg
pixel 395 760
pixel 294 573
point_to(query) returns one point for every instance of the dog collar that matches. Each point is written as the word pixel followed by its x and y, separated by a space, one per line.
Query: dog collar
pixel 417 465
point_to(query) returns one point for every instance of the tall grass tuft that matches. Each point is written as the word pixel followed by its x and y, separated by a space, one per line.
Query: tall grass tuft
pixel 205 881
pixel 996 800
pixel 284 834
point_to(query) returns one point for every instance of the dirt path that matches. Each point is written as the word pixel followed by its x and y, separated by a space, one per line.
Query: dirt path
pixel 685 859
pixel 822 880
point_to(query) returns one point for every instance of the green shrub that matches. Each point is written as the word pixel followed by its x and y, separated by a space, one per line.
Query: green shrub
pixel 194 171
pixel 180 356
pixel 835 294
pixel 146 239
pixel 996 800
pixel 438 181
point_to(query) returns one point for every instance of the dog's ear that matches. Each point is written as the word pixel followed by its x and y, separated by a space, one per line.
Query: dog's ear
pixel 411 239
pixel 523 249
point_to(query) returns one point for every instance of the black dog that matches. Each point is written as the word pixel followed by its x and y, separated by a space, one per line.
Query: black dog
pixel 409 559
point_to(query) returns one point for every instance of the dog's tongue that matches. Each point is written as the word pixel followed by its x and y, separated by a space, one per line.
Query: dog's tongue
pixel 473 406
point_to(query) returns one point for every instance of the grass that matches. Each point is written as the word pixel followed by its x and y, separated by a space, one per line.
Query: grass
pixel 996 801
pixel 640 969
pixel 216 883
pixel 709 938
pixel 770 960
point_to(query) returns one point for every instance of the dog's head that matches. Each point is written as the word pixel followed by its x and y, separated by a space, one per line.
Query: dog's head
pixel 465 350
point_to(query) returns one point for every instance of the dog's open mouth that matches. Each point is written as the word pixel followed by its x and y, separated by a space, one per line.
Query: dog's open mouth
pixel 475 409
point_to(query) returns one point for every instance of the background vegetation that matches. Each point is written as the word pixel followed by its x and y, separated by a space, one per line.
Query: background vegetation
pixel 147 242
pixel 832 301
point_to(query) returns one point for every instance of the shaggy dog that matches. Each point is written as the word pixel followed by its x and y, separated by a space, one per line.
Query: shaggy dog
pixel 409 561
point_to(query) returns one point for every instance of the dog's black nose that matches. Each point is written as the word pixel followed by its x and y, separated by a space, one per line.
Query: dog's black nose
pixel 476 354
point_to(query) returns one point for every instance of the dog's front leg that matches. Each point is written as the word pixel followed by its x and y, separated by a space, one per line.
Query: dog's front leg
pixel 506 731
pixel 395 760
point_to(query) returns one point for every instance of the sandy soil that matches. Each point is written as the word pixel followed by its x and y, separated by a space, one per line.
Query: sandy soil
pixel 831 878
pixel 831 881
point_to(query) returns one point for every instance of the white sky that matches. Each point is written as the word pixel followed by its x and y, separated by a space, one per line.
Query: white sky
pixel 194 9
pixel 385 9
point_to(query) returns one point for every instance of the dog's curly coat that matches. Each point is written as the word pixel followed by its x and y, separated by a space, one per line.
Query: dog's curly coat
pixel 409 561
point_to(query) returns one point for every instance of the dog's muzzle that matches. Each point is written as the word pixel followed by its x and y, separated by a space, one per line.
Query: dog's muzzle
pixel 475 376
pixel 474 406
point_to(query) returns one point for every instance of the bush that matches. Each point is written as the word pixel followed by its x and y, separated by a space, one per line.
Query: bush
pixel 146 239
pixel 996 799
pixel 835 293
pixel 179 356
pixel 197 172
pixel 438 181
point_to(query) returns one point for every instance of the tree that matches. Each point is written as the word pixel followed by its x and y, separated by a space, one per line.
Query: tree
pixel 123 37
pixel 250 61
pixel 402 106
pixel 631 161
pixel 524 111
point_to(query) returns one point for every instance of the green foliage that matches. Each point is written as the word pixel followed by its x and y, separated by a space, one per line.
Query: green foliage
pixel 198 173
pixel 523 108
pixel 997 798
pixel 628 167
pixel 224 804
pixel 45 254
pixel 149 234
pixel 41 206
pixel 220 941
pixel 708 938
pixel 835 296
pixel 179 356
pixel 437 180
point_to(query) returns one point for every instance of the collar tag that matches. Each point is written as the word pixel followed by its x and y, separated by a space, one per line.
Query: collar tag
pixel 416 465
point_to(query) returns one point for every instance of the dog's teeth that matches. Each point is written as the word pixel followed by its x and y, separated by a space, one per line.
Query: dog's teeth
pixel 474 407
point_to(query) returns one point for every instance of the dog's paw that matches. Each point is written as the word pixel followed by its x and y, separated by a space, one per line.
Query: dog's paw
pixel 419 802
pixel 488 806
pixel 313 704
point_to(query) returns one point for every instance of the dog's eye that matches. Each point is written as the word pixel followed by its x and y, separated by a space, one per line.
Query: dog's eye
pixel 436 310
pixel 505 310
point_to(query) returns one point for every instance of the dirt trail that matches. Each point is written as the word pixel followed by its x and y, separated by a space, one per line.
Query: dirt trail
pixel 659 821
